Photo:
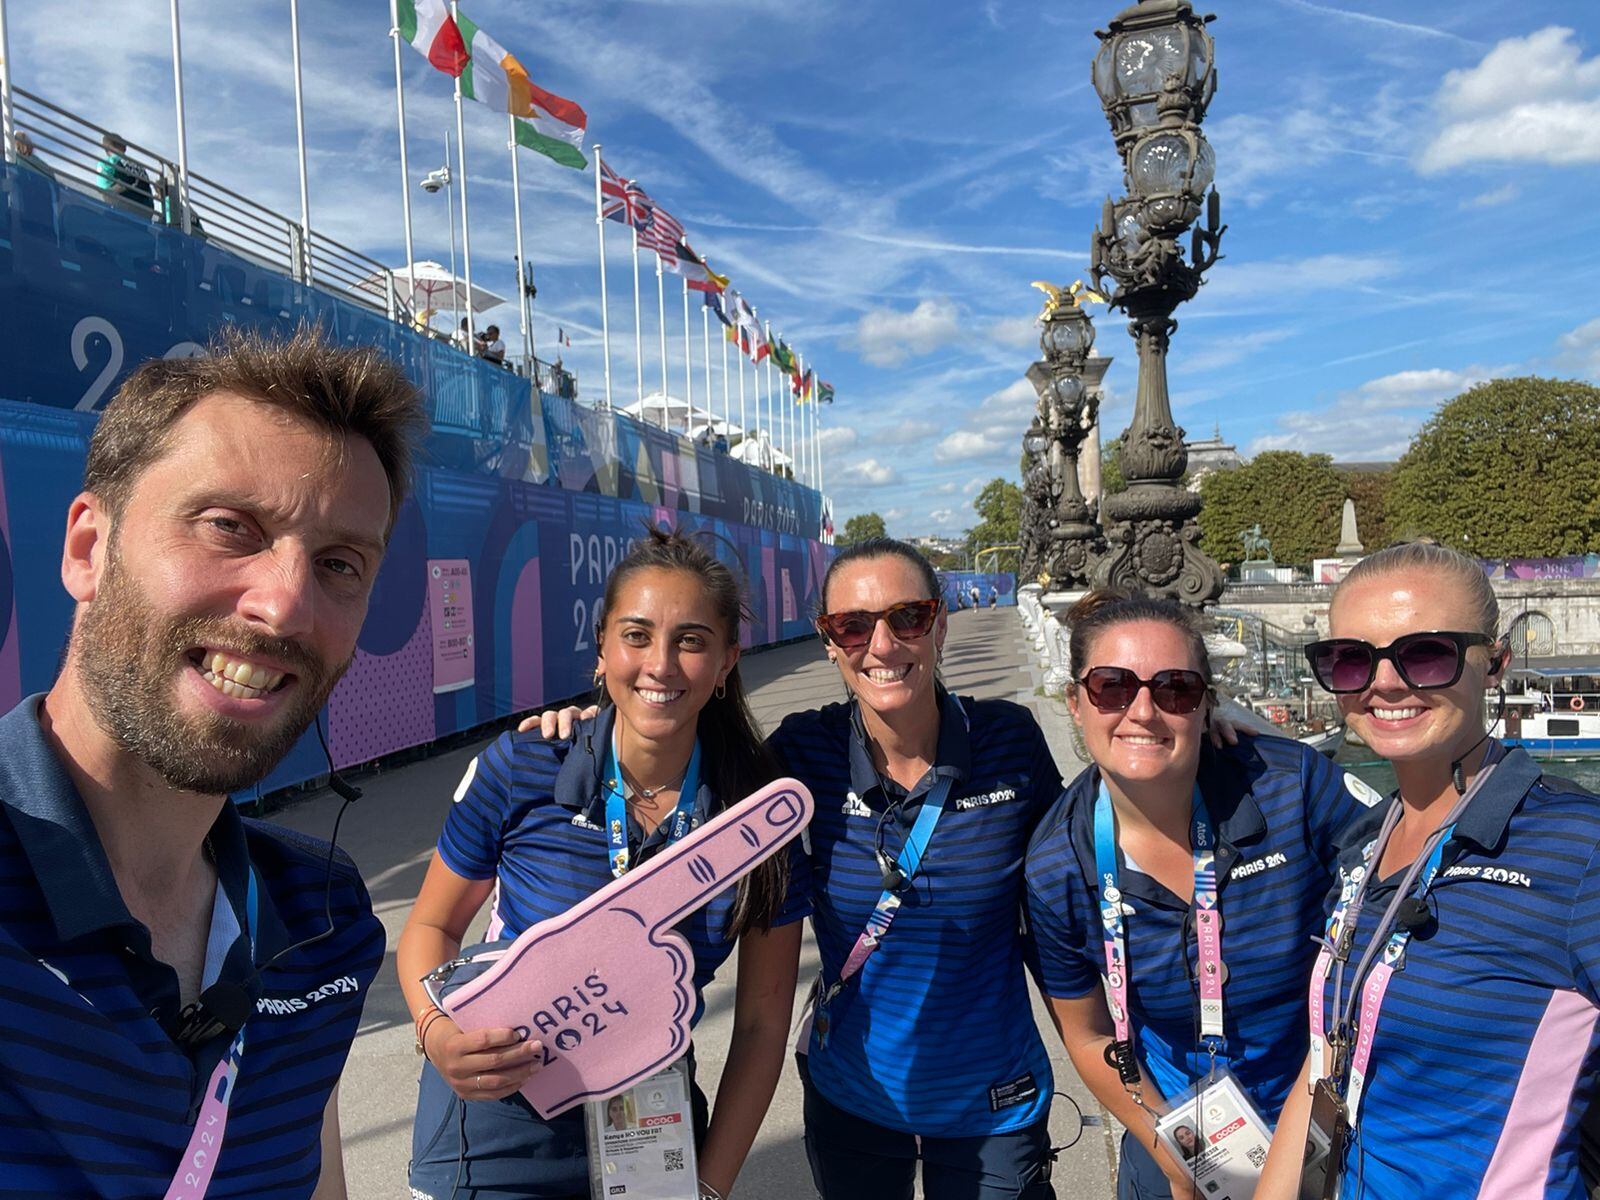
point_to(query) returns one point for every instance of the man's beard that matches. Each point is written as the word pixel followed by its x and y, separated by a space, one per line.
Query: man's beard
pixel 129 660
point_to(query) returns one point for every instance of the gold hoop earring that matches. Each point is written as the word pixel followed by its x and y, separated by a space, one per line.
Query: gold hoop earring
pixel 598 676
pixel 721 690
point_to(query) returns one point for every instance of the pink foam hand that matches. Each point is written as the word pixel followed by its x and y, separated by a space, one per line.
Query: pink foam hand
pixel 606 987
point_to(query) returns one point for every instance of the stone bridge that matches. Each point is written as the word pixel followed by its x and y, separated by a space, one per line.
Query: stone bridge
pixel 1572 607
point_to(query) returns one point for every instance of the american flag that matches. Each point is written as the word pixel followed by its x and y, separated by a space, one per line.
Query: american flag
pixel 623 200
pixel 661 233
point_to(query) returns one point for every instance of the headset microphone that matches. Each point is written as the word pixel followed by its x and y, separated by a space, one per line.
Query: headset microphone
pixel 893 877
pixel 225 1005
pixel 1413 914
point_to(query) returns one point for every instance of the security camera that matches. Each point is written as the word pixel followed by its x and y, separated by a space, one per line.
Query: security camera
pixel 434 180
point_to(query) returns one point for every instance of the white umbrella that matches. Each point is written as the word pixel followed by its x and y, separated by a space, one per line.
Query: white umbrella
pixel 431 285
pixel 678 415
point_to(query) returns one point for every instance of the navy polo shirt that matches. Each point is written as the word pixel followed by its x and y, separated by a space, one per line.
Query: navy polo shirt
pixel 935 1035
pixel 1486 1051
pixel 530 814
pixel 1279 808
pixel 95 1097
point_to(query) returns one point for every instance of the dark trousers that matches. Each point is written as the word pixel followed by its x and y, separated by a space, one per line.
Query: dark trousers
pixel 855 1159
pixel 502 1149
pixel 1138 1175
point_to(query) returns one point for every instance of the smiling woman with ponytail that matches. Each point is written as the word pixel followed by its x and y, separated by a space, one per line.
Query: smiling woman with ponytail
pixel 672 746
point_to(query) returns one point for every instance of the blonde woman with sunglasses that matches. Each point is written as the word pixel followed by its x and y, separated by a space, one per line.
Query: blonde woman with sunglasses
pixel 1454 1011
pixel 1172 895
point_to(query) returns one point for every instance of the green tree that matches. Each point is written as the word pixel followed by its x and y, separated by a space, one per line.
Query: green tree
pixel 1370 491
pixel 999 509
pixel 1508 469
pixel 1111 479
pixel 1296 498
pixel 863 526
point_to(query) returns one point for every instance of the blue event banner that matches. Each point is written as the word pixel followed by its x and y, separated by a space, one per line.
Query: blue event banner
pixel 488 596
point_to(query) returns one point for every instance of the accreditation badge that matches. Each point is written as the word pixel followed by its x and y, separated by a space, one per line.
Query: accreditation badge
pixel 641 1141
pixel 1218 1136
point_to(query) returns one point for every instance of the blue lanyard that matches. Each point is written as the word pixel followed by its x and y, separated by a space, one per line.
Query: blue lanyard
pixel 908 862
pixel 617 808
pixel 1208 931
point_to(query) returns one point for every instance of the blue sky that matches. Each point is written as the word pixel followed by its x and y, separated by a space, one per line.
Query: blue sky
pixel 1409 192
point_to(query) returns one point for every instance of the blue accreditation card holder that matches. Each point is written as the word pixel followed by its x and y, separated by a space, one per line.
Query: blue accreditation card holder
pixel 1215 1132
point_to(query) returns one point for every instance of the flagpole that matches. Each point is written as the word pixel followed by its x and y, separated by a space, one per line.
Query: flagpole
pixel 405 166
pixel 772 445
pixel 688 363
pixel 638 331
pixel 523 315
pixel 466 227
pixel 300 142
pixel 705 346
pixel 183 136
pixel 661 332
pixel 744 428
pixel 727 411
pixel 605 310
pixel 8 119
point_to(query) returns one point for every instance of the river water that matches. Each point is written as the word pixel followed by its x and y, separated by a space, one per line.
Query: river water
pixel 1362 762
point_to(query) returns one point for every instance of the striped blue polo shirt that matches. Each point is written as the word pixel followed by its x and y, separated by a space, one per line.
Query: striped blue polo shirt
pixel 96 1099
pixel 935 1035
pixel 1487 1048
pixel 530 814
pixel 1279 808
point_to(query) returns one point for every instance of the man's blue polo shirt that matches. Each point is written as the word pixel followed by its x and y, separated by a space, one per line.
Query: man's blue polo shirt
pixel 935 1036
pixel 1279 808
pixel 96 1099
pixel 1487 1050
pixel 530 815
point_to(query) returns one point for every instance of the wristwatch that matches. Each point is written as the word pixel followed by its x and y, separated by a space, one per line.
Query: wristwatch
pixel 707 1192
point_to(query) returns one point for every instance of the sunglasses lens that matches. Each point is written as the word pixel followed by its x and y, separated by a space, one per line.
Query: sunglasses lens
pixel 1343 666
pixel 1177 692
pixel 913 620
pixel 849 631
pixel 1111 689
pixel 1429 662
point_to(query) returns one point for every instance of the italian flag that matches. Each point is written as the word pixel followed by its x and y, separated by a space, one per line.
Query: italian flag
pixel 426 24
pixel 546 123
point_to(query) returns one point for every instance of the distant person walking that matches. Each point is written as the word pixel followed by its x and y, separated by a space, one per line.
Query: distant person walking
pixel 994 596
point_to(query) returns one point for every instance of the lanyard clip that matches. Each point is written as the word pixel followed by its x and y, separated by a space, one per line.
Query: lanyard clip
pixel 1119 1055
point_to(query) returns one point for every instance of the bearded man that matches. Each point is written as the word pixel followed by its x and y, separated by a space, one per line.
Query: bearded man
pixel 181 986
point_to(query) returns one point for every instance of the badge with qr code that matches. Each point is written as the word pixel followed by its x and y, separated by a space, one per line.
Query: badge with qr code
pixel 641 1141
pixel 1216 1134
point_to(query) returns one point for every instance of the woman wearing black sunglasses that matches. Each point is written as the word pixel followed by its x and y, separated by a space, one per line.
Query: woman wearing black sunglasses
pixel 1454 1009
pixel 1190 880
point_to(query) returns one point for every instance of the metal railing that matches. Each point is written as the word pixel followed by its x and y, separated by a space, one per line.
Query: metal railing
pixel 92 159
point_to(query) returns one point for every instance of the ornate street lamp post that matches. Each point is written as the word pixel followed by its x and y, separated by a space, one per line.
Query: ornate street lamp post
pixel 1155 74
pixel 1033 527
pixel 1066 412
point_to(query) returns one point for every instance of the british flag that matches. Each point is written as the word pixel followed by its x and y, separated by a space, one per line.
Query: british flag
pixel 623 200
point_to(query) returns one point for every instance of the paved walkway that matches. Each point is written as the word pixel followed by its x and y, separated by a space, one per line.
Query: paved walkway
pixel 391 833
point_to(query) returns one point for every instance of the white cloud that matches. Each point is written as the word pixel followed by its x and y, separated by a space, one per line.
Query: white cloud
pixel 1376 421
pixel 888 337
pixel 1494 197
pixel 1578 350
pixel 1270 281
pixel 1223 351
pixel 967 444
pixel 1014 402
pixel 868 472
pixel 836 438
pixel 907 432
pixel 1531 99
pixel 1015 331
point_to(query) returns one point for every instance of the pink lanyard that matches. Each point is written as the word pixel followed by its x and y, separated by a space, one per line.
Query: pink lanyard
pixel 1207 927
pixel 1394 938
pixel 199 1163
